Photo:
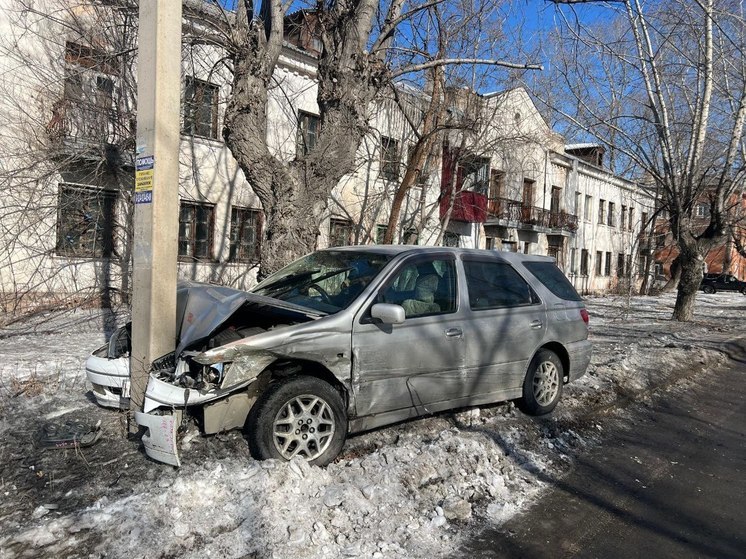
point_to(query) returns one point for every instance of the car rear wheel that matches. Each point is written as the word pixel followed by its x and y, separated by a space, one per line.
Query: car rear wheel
pixel 708 289
pixel 542 387
pixel 298 416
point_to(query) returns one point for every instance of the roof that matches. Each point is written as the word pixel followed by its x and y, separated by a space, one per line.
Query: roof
pixel 414 249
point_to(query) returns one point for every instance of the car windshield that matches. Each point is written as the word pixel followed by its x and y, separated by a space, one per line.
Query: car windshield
pixel 326 281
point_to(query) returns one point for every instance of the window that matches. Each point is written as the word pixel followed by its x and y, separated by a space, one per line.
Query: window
pixel 85 221
pixel 623 221
pixel 611 216
pixel 451 239
pixel 510 246
pixel 641 261
pixel 643 221
pixel 497 184
pixel 88 94
pixel 573 260
pixel 381 233
pixel 246 227
pixel 607 262
pixel 495 285
pixel 200 108
pixel 702 210
pixel 588 208
pixel 528 193
pixel 554 206
pixel 195 231
pixel 423 288
pixel 389 158
pixel 340 232
pixel 599 262
pixel 584 262
pixel 620 265
pixel 308 131
pixel 578 202
pixel 553 279
pixel 631 220
pixel 411 236
pixel 602 211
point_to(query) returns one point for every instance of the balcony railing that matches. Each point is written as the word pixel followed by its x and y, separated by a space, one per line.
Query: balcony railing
pixel 77 124
pixel 513 210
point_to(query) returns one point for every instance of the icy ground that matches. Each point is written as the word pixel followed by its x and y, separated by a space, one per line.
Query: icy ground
pixel 413 490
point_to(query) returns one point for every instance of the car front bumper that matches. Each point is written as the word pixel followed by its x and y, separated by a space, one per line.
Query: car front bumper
pixel 160 439
pixel 109 379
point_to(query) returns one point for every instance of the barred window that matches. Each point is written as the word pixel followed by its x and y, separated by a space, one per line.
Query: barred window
pixel 308 131
pixel 389 158
pixel 340 232
pixel 85 221
pixel 201 108
pixel 246 227
pixel 195 231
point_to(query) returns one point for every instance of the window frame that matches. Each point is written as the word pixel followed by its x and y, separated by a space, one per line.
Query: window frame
pixel 191 117
pixel 533 298
pixel 450 259
pixel 341 223
pixel 235 239
pixel 302 143
pixel 193 240
pixel 106 233
pixel 390 160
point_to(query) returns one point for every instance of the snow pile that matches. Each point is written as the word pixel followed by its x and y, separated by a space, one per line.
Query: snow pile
pixel 413 490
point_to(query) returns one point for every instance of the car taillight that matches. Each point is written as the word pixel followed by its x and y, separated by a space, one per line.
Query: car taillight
pixel 584 315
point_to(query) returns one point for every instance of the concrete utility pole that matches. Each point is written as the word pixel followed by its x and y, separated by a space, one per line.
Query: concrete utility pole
pixel 156 192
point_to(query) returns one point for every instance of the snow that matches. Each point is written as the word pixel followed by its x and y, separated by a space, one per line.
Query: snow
pixel 414 490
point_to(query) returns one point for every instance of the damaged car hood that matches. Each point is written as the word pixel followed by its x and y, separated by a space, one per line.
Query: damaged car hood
pixel 201 309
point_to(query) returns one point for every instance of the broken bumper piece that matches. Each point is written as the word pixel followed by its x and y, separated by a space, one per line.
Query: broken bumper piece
pixel 159 438
pixel 109 379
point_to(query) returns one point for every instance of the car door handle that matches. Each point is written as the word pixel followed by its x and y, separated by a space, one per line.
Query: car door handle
pixel 454 333
pixel 536 324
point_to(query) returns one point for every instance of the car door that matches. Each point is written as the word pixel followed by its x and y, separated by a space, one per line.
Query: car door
pixel 415 363
pixel 506 326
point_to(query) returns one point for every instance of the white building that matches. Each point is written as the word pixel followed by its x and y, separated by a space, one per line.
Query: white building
pixel 67 149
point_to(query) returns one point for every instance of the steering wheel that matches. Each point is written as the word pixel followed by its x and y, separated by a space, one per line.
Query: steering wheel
pixel 320 290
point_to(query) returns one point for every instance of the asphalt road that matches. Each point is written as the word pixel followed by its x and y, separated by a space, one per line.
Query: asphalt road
pixel 670 483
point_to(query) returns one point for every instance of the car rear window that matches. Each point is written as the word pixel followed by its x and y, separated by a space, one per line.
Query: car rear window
pixel 553 279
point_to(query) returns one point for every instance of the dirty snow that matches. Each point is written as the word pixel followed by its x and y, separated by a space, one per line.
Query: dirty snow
pixel 414 490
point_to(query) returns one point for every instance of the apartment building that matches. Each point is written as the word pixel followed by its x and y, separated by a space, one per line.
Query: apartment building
pixel 67 145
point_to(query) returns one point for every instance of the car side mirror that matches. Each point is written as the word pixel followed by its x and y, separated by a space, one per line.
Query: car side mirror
pixel 387 313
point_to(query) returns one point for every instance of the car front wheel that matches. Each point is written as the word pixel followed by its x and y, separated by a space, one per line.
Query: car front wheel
pixel 542 387
pixel 708 289
pixel 298 416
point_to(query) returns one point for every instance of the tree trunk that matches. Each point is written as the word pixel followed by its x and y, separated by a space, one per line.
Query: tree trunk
pixel 690 265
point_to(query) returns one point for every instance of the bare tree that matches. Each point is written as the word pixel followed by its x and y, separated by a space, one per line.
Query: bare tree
pixel 355 65
pixel 67 119
pixel 664 85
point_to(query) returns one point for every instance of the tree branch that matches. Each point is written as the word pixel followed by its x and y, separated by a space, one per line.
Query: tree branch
pixel 458 61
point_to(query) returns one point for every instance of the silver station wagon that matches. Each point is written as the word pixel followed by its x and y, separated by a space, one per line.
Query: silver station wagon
pixel 350 339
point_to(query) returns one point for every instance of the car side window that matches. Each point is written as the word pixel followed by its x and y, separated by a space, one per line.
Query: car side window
pixel 424 288
pixel 495 285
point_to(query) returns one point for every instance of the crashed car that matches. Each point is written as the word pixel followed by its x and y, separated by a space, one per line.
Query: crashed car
pixel 349 339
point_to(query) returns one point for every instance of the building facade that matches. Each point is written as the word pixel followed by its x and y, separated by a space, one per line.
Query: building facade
pixel 67 143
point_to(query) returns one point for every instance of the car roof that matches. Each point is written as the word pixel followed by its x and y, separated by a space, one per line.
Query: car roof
pixel 395 250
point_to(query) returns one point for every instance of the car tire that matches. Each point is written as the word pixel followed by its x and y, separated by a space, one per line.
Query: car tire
pixel 542 387
pixel 708 289
pixel 298 416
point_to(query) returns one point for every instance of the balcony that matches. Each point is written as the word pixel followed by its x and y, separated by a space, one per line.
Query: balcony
pixel 468 206
pixel 513 211
pixel 82 128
